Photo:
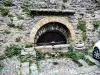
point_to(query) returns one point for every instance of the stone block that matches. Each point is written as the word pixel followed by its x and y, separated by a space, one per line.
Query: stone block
pixel 23 52
pixel 34 70
pixel 25 68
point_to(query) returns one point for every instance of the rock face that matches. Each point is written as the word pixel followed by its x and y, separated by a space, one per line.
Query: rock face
pixel 18 23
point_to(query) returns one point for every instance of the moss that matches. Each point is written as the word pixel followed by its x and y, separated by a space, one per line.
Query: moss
pixel 96 24
pixel 82 25
pixel 4 11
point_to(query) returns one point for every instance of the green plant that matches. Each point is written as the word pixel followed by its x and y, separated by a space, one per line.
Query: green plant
pixel 27 11
pixel 1 68
pixel 99 34
pixel 19 16
pixel 38 55
pixel 63 6
pixel 28 44
pixel 4 11
pixel 10 15
pixel 96 24
pixel 26 58
pixel 84 36
pixel 89 62
pixel 13 50
pixel 82 25
pixel 7 2
pixel 64 0
pixel 75 56
pixel 2 57
pixel 38 58
pixel 10 24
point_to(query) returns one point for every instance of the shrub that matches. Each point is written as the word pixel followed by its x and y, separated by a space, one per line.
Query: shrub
pixel 13 50
pixel 96 24
pixel 4 11
pixel 82 25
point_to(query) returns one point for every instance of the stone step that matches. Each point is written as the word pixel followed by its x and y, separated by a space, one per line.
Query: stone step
pixel 93 60
pixel 83 63
pixel 88 69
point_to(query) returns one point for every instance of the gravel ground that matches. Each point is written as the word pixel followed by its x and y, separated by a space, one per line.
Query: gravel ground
pixel 10 66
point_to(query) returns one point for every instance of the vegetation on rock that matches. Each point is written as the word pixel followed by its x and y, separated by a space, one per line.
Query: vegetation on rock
pixel 7 2
pixel 13 50
pixel 1 68
pixel 28 44
pixel 82 25
pixel 96 24
pixel 4 11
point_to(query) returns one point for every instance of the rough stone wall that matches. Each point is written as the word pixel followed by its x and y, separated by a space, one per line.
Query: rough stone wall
pixel 85 9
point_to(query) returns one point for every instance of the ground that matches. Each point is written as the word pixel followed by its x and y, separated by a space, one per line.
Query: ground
pixel 61 66
pixel 66 67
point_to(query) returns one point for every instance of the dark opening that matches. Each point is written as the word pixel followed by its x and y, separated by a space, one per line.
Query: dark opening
pixel 51 38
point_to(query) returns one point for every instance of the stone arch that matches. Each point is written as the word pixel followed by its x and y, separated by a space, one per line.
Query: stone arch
pixel 46 20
